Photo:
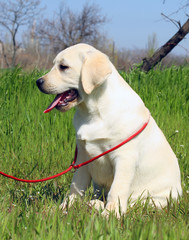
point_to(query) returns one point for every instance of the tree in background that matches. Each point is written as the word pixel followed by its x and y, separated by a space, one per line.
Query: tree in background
pixel 151 61
pixel 68 28
pixel 13 15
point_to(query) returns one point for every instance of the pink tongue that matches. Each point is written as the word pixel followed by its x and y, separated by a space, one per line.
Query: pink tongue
pixel 54 103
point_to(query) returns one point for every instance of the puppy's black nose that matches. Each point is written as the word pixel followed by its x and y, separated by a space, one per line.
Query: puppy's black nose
pixel 39 82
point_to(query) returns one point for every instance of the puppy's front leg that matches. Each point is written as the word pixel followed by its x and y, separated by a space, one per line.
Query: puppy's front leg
pixel 120 188
pixel 80 182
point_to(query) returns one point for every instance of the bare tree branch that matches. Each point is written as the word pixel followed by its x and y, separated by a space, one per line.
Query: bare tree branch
pixel 176 23
pixel 149 63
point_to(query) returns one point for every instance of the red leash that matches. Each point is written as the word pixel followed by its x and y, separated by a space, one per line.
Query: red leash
pixel 73 166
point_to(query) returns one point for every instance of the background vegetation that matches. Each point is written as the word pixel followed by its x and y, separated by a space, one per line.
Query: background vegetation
pixel 35 145
pixel 31 38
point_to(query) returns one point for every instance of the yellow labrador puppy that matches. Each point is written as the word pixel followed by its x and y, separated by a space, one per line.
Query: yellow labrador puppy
pixel 108 111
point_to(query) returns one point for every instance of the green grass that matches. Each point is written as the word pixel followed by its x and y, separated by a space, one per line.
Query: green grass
pixel 37 145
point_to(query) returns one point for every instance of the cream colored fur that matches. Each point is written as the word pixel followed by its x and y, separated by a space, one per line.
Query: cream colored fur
pixel 108 111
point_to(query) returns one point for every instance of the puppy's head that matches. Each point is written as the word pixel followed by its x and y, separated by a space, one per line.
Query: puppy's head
pixel 77 71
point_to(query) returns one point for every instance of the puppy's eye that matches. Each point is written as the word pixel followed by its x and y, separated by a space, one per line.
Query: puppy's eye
pixel 63 67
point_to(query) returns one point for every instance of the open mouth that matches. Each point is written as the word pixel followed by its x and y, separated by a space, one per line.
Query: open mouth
pixel 62 100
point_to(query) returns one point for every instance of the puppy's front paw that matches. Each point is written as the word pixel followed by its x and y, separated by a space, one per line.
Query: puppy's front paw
pixel 67 203
pixel 97 204
pixel 111 207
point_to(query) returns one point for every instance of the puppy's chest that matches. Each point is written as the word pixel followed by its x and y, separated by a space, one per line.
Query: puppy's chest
pixel 102 169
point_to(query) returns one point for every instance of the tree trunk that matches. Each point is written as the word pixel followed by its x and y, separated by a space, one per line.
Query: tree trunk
pixel 149 63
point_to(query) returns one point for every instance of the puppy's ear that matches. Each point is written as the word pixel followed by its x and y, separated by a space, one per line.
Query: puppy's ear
pixel 95 71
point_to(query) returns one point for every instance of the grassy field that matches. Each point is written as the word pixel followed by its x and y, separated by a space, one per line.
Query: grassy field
pixel 37 145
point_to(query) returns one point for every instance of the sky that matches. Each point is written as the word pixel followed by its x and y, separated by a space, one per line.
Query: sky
pixel 132 22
